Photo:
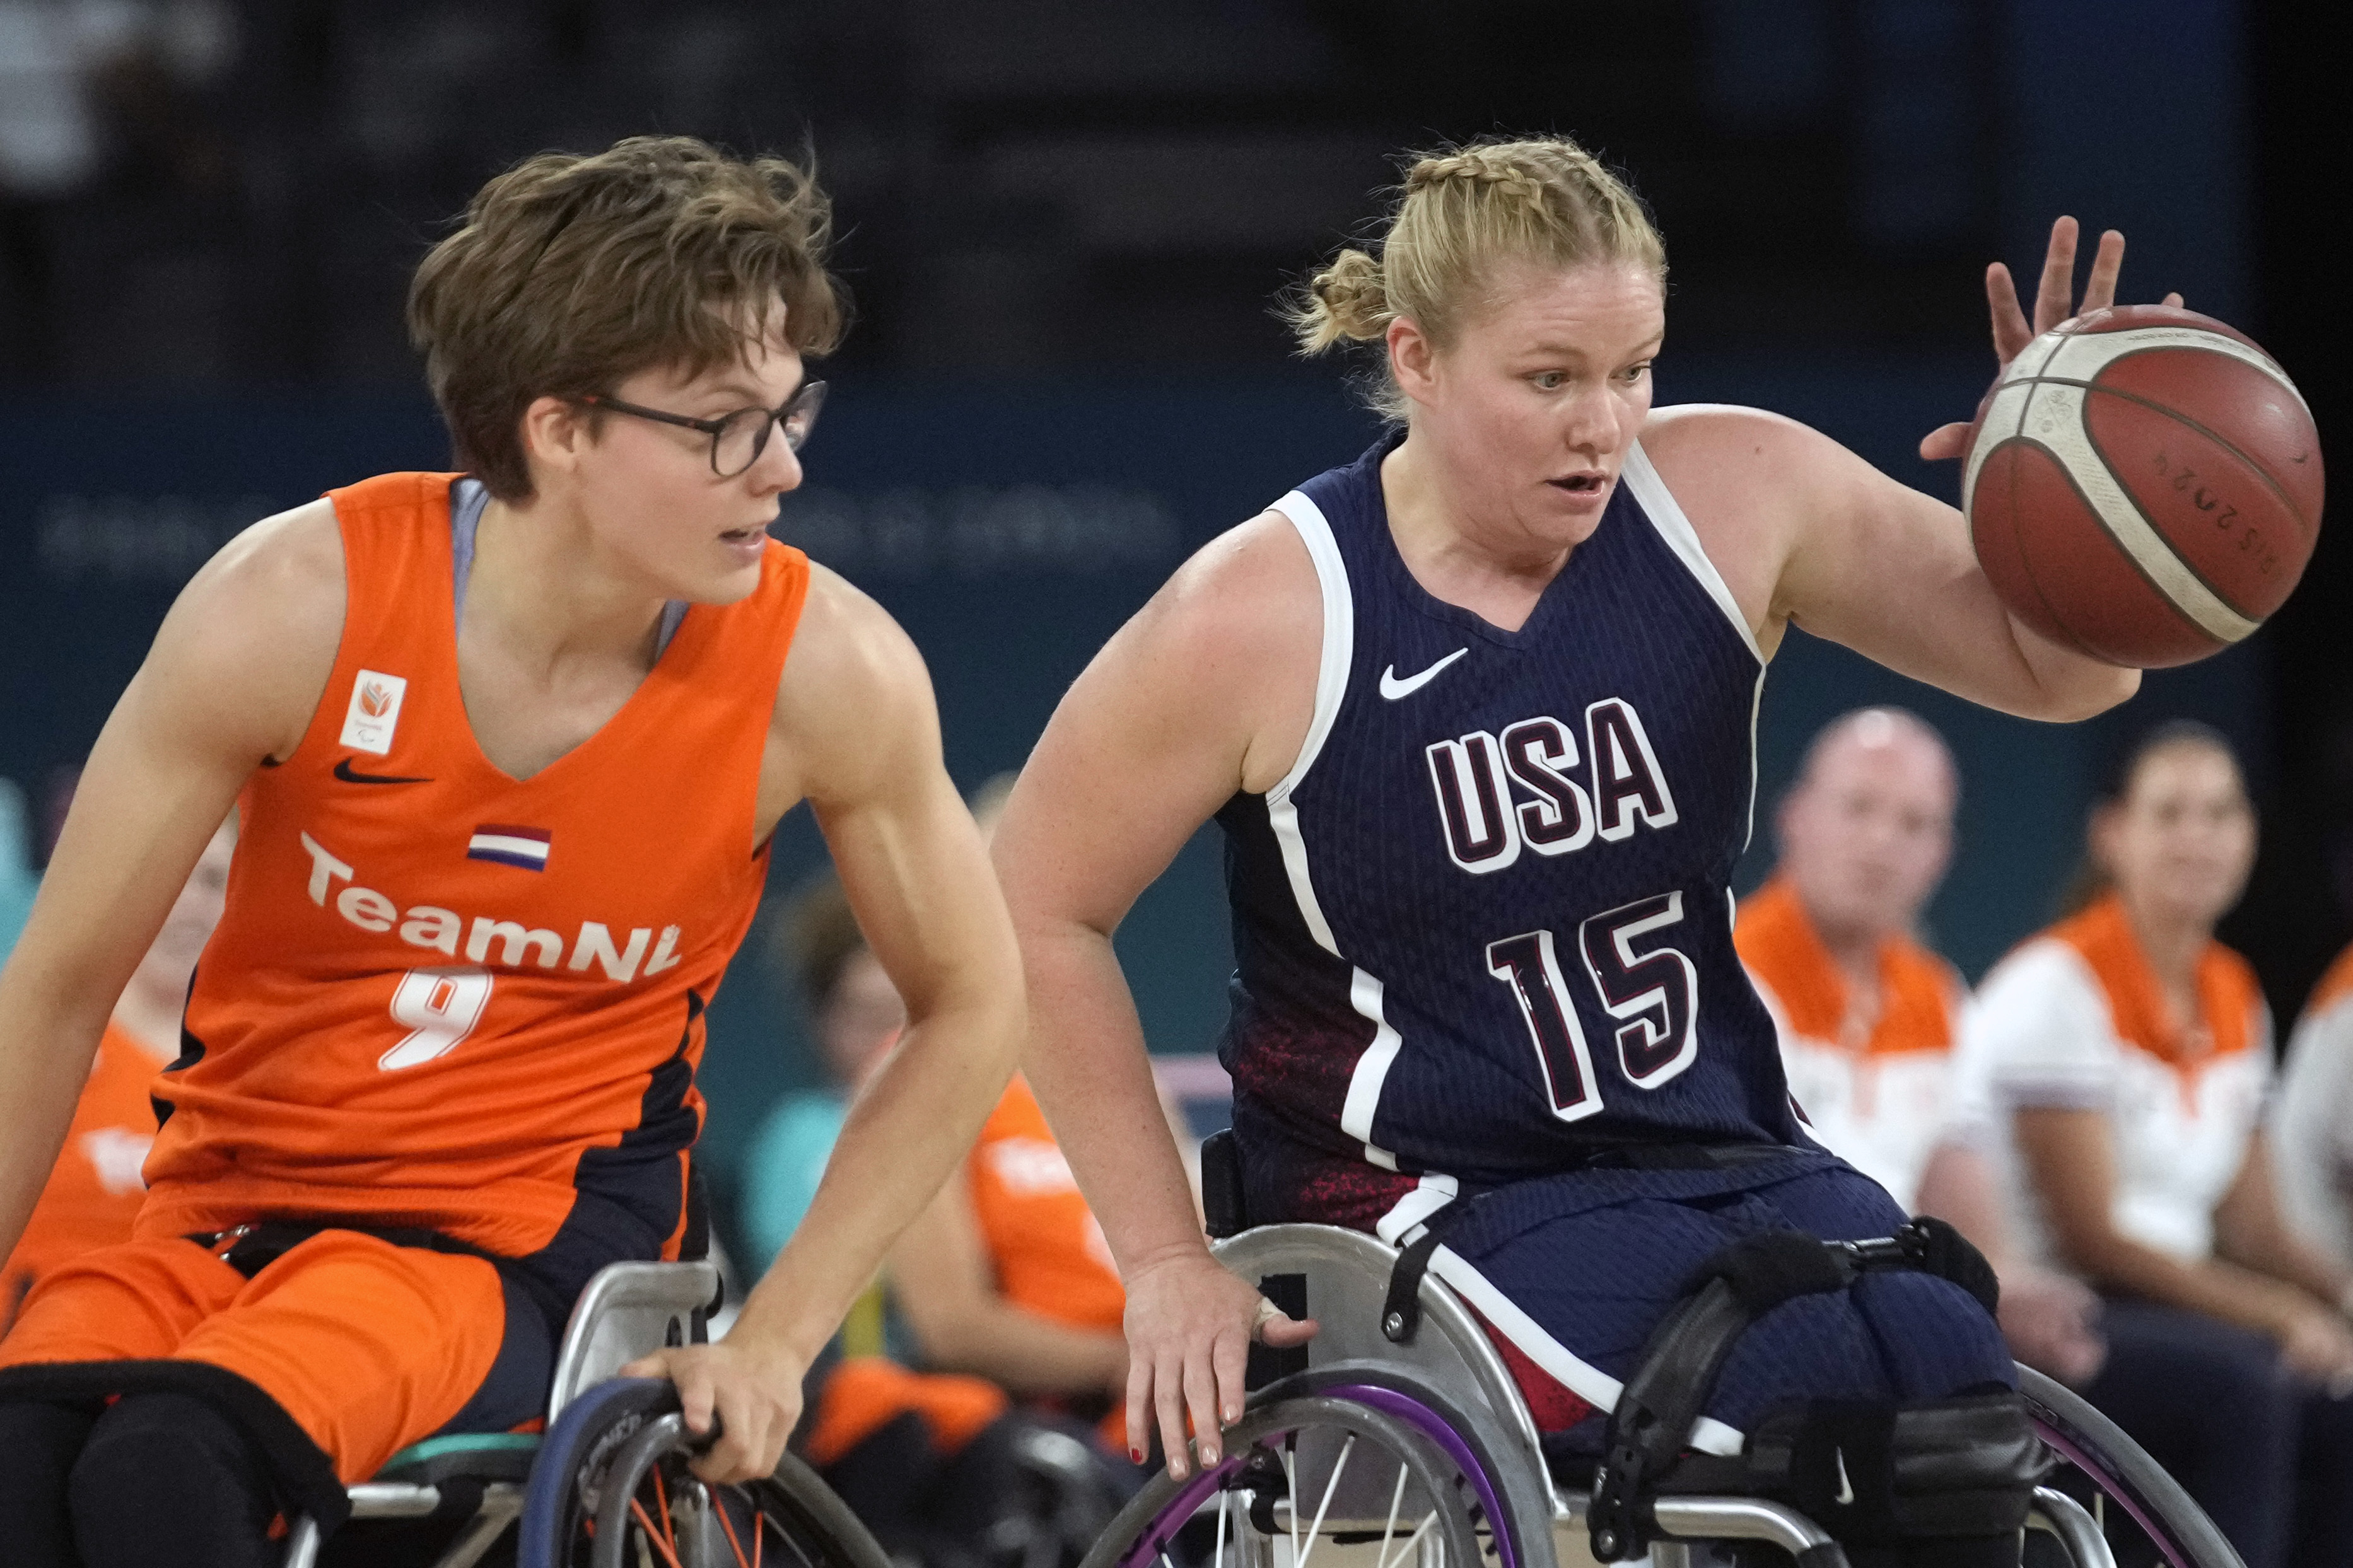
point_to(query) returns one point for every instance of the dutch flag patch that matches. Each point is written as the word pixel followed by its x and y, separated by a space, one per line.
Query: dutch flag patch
pixel 523 847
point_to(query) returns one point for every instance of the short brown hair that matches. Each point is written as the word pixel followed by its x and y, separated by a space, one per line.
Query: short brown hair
pixel 571 273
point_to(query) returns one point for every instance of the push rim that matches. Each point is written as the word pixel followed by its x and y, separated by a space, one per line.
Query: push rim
pixel 1455 1499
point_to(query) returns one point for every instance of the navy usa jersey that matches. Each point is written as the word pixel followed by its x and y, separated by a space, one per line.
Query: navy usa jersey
pixel 1483 925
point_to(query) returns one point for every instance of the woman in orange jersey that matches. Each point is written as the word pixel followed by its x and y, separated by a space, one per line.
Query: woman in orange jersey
pixel 94 1193
pixel 2130 1052
pixel 510 746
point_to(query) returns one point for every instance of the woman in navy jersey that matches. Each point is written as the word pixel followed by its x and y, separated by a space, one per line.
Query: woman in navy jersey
pixel 1476 714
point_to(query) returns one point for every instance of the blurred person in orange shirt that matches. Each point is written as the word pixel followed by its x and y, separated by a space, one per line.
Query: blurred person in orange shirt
pixel 999 1307
pixel 96 1189
pixel 1007 1275
pixel 1869 1018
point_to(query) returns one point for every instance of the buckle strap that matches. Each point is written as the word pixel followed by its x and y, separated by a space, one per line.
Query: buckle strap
pixel 1401 1312
pixel 1663 1398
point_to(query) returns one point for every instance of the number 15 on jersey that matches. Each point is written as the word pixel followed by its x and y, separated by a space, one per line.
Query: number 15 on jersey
pixel 1652 992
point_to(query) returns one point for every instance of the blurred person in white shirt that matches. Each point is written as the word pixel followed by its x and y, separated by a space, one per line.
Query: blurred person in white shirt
pixel 1868 1017
pixel 2311 1118
pixel 2129 1054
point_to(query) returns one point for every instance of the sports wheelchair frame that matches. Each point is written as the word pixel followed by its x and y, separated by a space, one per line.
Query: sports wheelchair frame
pixel 1422 1454
pixel 607 1485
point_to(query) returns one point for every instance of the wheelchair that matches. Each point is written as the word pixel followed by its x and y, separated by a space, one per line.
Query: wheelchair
pixel 607 1484
pixel 1372 1453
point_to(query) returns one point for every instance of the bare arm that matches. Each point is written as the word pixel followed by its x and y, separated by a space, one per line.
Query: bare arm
pixel 1206 692
pixel 2251 1231
pixel 1837 547
pixel 2071 1160
pixel 232 677
pixel 941 1280
pixel 856 733
pixel 1807 532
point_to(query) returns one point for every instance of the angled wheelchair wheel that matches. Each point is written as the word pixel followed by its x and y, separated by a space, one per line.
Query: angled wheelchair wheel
pixel 2124 1477
pixel 611 1489
pixel 1348 1478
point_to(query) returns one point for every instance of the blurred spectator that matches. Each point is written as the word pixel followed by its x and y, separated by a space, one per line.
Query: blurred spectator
pixel 18 878
pixel 94 1193
pixel 101 98
pixel 2130 1052
pixel 1003 1285
pixel 1007 1275
pixel 2312 1121
pixel 920 1459
pixel 1868 1017
pixel 856 1017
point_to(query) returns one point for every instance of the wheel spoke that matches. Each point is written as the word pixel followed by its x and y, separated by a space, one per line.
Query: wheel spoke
pixel 1218 1552
pixel 1406 1550
pixel 727 1524
pixel 1397 1500
pixel 1291 1491
pixel 646 1525
pixel 1332 1485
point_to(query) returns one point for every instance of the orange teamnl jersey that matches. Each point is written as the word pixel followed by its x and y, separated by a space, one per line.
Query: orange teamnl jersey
pixel 444 997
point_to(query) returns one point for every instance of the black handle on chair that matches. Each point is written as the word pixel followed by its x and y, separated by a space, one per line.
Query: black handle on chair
pixel 1221 1186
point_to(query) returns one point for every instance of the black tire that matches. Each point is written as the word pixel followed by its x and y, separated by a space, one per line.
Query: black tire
pixel 1143 1530
pixel 2119 1467
pixel 608 1448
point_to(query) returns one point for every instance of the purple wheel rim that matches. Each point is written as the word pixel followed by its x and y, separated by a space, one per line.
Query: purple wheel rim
pixel 2075 1455
pixel 1426 1421
pixel 1179 1509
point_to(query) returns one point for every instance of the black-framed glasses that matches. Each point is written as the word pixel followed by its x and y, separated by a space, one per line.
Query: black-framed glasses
pixel 738 439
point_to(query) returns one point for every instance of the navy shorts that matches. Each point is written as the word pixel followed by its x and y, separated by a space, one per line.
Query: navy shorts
pixel 1570 1273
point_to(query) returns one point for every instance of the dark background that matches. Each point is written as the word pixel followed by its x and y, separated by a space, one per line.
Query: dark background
pixel 1064 222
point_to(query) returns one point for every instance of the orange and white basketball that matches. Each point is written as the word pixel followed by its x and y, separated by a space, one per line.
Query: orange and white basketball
pixel 2144 483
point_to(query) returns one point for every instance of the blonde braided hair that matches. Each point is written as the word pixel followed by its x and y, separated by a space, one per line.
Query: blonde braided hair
pixel 1462 213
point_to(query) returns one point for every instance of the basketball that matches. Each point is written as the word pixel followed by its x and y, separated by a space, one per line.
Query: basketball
pixel 2143 483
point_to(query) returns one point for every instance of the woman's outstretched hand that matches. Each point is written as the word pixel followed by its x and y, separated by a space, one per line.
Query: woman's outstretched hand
pixel 2054 301
pixel 1189 1325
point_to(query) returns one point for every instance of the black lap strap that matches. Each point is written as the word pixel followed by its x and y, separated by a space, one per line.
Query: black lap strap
pixel 250 1248
pixel 1662 1401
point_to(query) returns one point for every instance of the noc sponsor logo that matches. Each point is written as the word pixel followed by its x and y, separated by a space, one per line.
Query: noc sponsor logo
pixel 1567 799
pixel 374 716
pixel 516 944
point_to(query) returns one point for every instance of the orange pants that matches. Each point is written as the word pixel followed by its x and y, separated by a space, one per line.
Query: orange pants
pixel 367 1345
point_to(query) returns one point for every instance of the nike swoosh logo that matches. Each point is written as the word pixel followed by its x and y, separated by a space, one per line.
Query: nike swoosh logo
pixel 344 771
pixel 1846 1488
pixel 1393 688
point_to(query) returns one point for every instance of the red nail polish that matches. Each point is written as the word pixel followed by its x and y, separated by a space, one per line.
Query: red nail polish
pixel 1135 1456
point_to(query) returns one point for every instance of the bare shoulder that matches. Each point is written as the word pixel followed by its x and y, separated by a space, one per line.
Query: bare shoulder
pixel 251 640
pixel 845 639
pixel 854 701
pixel 1752 482
pixel 1252 568
pixel 1228 647
pixel 1248 596
pixel 1693 441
